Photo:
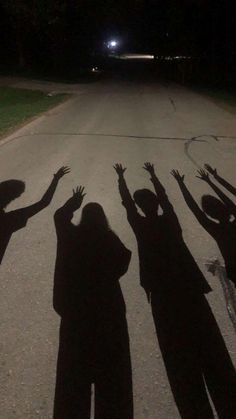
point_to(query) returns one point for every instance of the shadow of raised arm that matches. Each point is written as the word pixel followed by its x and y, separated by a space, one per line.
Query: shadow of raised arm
pixel 192 204
pixel 221 180
pixel 126 197
pixel 31 210
pixel 64 227
pixel 224 198
pixel 11 221
pixel 159 189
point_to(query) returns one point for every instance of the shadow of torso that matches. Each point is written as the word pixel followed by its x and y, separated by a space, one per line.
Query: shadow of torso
pixel 94 341
pixel 166 264
pixel 190 341
pixel 225 236
pixel 9 223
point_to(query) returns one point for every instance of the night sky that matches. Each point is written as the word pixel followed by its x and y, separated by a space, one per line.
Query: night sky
pixel 49 33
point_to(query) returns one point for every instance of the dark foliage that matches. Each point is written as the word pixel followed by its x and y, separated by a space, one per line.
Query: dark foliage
pixel 60 36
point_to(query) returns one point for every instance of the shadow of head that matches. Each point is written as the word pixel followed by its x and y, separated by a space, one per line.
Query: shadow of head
pixel 215 208
pixel 147 201
pixel 10 190
pixel 93 217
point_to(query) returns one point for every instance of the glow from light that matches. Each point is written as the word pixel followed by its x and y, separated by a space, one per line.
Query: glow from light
pixel 112 44
pixel 137 57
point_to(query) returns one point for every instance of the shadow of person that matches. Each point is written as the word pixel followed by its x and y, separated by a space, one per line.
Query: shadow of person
pixel 223 229
pixel 94 341
pixel 12 221
pixel 193 350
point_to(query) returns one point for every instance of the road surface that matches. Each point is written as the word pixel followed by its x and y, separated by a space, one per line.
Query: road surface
pixel 108 122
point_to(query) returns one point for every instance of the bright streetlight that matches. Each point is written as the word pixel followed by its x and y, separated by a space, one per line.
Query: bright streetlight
pixel 112 44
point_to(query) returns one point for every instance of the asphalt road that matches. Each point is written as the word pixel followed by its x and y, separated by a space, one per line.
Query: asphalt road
pixel 108 122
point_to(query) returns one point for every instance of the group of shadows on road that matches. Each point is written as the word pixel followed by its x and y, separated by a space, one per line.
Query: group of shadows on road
pixel 94 341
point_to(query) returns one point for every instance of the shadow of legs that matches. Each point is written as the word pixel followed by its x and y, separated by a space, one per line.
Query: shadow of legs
pixel 73 381
pixel 179 348
pixel 218 369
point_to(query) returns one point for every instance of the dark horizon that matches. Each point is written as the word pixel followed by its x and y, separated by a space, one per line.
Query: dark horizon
pixel 72 35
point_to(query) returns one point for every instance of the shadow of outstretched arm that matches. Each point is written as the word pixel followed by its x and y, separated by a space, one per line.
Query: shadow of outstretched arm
pixel 127 200
pixel 62 219
pixel 12 221
pixel 159 189
pixel 206 223
pixel 224 198
pixel 221 180
pixel 31 210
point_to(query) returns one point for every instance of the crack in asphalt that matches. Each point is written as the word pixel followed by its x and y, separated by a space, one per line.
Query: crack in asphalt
pixel 173 103
pixel 93 134
pixel 188 141
pixel 196 139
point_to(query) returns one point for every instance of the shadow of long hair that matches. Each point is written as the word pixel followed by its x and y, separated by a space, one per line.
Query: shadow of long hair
pixel 94 341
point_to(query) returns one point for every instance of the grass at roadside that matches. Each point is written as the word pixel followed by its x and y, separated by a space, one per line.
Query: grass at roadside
pixel 19 105
pixel 222 97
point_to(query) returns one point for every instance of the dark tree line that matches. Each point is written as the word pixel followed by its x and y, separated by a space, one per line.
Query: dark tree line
pixel 53 34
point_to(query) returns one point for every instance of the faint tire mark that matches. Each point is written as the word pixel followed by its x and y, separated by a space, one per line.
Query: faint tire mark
pixel 193 140
pixel 188 145
pixel 188 141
